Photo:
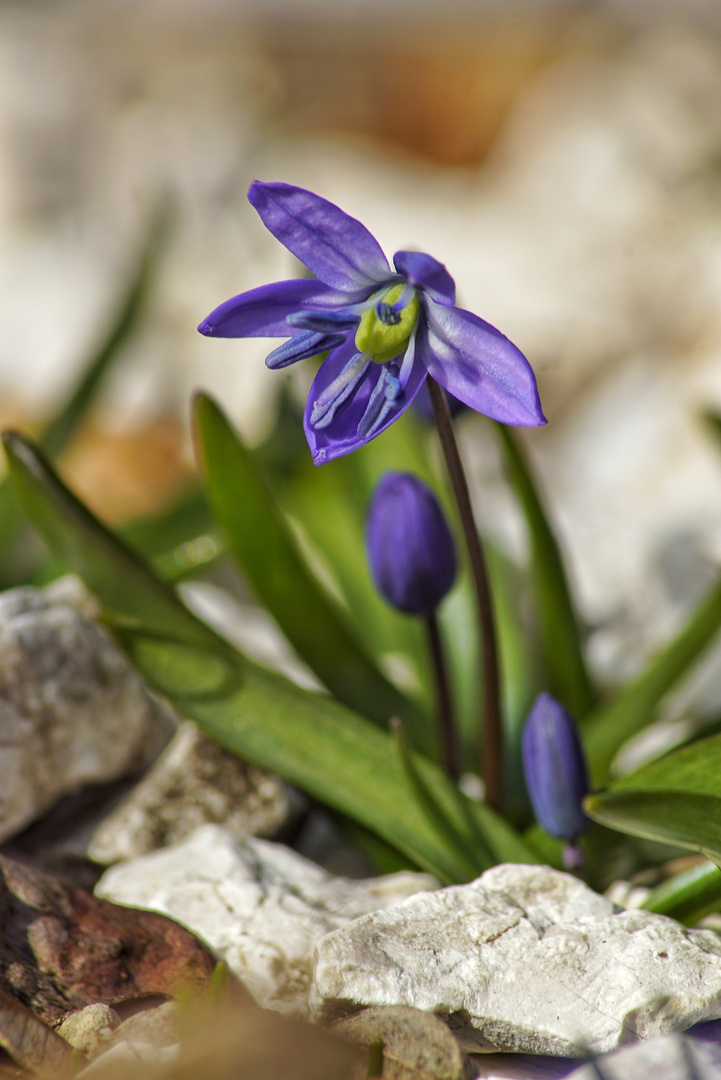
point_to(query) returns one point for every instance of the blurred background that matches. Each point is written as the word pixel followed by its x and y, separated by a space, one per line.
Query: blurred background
pixel 563 160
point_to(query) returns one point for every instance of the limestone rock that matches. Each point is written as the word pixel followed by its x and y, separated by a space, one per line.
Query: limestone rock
pixel 669 1057
pixel 72 710
pixel 194 782
pixel 524 959
pixel 259 905
pixel 89 1030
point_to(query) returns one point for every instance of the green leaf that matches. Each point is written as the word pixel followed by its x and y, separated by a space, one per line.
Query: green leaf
pixel 689 895
pixel 476 855
pixel 674 800
pixel 61 429
pixel 561 638
pixel 132 306
pixel 632 709
pixel 257 535
pixel 311 740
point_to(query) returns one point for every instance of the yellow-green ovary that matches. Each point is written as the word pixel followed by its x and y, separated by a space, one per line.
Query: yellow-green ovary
pixel 381 342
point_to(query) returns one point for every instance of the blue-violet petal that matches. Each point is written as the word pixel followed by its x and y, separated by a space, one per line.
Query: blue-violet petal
pixel 334 246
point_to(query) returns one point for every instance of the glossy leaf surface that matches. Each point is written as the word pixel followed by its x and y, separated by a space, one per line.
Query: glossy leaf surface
pixel 561 639
pixel 676 800
pixel 258 536
pixel 309 739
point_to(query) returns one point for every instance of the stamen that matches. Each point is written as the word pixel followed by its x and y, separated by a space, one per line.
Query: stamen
pixel 408 358
pixel 300 347
pixel 387 395
pixel 327 404
pixel 387 314
pixel 324 321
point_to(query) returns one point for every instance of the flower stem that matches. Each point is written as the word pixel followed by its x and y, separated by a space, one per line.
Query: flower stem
pixel 490 766
pixel 447 729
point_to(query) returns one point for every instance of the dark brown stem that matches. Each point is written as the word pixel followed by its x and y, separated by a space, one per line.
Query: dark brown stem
pixel 447 729
pixel 492 746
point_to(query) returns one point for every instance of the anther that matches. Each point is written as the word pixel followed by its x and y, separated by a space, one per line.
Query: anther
pixel 387 314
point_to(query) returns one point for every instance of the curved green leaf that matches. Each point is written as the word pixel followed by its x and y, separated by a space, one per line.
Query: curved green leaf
pixel 311 740
pixel 670 817
pixel 65 423
pixel 676 800
pixel 560 632
pixel 633 707
pixel 689 895
pixel 257 535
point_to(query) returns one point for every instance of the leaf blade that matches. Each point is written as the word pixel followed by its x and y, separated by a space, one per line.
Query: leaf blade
pixel 560 631
pixel 632 709
pixel 311 740
pixel 257 535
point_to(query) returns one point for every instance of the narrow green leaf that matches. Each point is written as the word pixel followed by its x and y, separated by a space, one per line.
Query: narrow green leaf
pixel 474 857
pixel 670 817
pixel 632 709
pixel 674 800
pixel 309 739
pixel 561 637
pixel 257 535
pixel 63 426
pixel 66 422
pixel 689 895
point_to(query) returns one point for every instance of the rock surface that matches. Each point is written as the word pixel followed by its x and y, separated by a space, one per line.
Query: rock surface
pixel 259 905
pixel 194 782
pixel 90 1029
pixel 669 1057
pixel 414 1045
pixel 524 959
pixel 72 710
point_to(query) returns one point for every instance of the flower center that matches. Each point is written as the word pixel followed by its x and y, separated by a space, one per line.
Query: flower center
pixel 385 329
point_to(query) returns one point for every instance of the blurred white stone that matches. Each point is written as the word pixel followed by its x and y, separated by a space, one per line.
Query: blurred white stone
pixel 259 905
pixel 72 710
pixel 194 782
pixel 670 1057
pixel 524 959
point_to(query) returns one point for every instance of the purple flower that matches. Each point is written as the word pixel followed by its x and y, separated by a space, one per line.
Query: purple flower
pixel 384 329
pixel 410 548
pixel 555 769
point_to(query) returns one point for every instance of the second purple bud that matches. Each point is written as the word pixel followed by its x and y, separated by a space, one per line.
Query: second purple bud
pixel 555 768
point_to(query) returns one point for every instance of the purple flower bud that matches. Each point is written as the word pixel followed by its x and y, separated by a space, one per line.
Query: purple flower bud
pixel 410 547
pixel 555 769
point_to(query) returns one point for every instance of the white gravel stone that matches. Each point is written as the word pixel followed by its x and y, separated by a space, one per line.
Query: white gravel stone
pixel 90 1029
pixel 669 1057
pixel 194 782
pixel 260 906
pixel 72 710
pixel 525 959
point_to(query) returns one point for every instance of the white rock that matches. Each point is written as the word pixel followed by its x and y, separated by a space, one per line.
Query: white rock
pixel 525 959
pixel 259 905
pixel 72 710
pixel 669 1057
pixel 194 782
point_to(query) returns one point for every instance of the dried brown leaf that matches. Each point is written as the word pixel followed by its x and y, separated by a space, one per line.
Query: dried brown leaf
pixel 31 1043
pixel 62 949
